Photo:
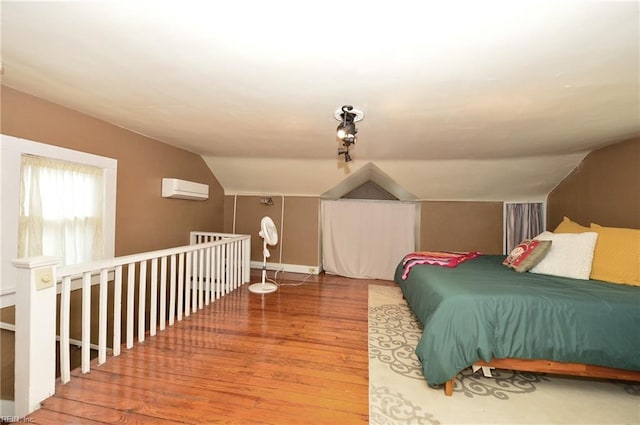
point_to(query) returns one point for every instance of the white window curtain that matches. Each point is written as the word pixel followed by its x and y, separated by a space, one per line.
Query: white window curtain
pixel 522 221
pixel 366 239
pixel 61 210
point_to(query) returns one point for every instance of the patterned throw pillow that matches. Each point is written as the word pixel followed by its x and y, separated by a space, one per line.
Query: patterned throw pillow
pixel 527 254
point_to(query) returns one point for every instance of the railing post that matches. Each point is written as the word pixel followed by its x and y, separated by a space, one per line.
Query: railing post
pixel 246 258
pixel 35 338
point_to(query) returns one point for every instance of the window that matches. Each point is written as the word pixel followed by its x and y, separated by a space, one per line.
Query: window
pixel 522 221
pixel 61 209
pixel 12 152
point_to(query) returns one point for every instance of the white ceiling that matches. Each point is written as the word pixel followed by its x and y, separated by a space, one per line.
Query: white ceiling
pixel 462 100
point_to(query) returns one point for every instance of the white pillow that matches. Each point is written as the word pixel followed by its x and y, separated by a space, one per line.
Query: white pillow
pixel 570 255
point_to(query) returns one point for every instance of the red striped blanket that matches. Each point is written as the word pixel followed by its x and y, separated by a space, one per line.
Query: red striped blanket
pixel 435 258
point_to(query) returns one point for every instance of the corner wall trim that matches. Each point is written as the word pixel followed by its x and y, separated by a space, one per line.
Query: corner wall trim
pixel 7 409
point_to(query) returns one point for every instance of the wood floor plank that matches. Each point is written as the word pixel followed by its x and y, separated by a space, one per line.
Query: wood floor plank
pixel 57 408
pixel 256 373
pixel 324 361
pixel 46 416
pixel 291 389
pixel 297 356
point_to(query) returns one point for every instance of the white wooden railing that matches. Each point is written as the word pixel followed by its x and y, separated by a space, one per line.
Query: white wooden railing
pixel 171 284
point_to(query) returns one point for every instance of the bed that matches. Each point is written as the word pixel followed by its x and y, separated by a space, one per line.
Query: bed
pixel 483 313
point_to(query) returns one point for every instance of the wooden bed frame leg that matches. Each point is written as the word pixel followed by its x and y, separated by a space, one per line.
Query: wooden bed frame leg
pixel 448 387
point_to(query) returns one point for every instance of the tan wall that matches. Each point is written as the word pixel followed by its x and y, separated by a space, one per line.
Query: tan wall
pixel 144 220
pixel 603 189
pixel 458 226
pixel 461 226
pixel 299 236
pixel 7 348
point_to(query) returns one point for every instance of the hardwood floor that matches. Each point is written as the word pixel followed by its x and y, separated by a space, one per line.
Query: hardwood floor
pixel 296 356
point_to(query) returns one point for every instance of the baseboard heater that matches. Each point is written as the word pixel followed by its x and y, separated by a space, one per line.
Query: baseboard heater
pixel 293 268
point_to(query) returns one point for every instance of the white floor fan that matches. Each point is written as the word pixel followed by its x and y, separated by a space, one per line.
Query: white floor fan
pixel 269 235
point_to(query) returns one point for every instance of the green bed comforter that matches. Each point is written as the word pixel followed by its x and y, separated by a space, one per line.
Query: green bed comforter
pixel 483 310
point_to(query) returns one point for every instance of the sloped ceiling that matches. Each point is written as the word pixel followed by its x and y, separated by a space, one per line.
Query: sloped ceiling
pixel 462 100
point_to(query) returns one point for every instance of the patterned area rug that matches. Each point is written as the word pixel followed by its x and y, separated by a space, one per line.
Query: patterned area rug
pixel 399 394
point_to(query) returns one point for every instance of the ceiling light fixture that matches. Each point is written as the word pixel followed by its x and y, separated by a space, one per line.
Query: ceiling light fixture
pixel 346 131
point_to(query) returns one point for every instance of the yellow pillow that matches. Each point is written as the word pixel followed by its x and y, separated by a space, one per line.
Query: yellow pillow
pixel 617 255
pixel 568 226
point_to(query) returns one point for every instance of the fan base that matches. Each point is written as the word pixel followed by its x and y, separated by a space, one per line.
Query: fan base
pixel 263 288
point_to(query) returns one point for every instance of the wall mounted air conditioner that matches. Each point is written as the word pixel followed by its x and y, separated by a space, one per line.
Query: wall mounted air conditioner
pixel 183 189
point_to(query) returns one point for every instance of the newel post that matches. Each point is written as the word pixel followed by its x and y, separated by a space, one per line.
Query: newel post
pixel 35 337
